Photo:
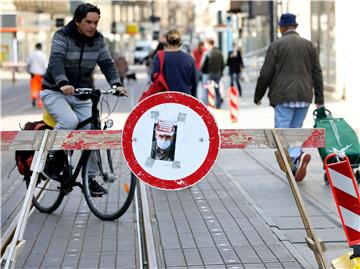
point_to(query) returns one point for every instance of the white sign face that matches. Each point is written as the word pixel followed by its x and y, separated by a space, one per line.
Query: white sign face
pixel 170 140
pixel 190 142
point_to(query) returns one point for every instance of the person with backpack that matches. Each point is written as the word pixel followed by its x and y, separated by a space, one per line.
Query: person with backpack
pixel 179 67
pixel 75 51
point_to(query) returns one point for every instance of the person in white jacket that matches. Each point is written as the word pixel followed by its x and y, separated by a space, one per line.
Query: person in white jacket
pixel 36 66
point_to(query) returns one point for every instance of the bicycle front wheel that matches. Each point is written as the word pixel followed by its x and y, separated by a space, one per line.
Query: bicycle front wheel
pixel 108 184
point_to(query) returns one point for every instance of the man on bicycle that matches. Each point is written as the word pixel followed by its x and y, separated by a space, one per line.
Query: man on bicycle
pixel 75 50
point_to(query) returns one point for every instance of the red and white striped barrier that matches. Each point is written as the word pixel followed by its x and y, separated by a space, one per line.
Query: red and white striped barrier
pixel 233 96
pixel 346 195
pixel 211 94
pixel 111 139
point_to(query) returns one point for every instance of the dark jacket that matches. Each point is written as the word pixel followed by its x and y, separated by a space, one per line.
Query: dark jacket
pixel 212 62
pixel 179 71
pixel 291 70
pixel 235 63
pixel 74 57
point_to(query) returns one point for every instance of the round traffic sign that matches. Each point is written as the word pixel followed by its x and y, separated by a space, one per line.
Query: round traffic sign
pixel 170 140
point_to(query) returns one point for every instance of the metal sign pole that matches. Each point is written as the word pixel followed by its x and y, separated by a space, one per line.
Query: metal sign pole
pixel 311 237
pixel 17 242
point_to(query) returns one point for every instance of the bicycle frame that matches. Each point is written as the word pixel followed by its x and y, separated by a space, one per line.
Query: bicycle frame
pixel 72 174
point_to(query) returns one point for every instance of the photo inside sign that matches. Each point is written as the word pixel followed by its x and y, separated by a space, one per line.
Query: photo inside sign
pixel 170 141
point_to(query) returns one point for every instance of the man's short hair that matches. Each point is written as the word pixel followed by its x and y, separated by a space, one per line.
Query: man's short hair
pixel 38 46
pixel 211 41
pixel 83 9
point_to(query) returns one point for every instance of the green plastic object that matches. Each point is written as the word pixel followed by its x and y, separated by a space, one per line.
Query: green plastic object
pixel 338 135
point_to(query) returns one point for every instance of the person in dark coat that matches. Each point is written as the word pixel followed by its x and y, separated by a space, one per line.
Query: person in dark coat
pixel 293 77
pixel 235 63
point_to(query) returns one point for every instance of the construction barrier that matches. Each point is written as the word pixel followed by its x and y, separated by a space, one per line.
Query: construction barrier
pixel 210 85
pixel 233 97
pixel 43 141
pixel 346 196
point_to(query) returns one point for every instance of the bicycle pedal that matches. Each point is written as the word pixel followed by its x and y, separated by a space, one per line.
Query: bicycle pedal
pixel 66 189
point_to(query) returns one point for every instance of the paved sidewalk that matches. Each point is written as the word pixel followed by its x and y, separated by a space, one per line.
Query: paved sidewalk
pixel 212 225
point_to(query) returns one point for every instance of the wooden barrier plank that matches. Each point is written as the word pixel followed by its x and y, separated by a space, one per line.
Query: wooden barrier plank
pixel 111 139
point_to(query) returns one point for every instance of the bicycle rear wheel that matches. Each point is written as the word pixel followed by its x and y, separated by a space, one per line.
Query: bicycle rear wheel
pixel 48 194
pixel 107 169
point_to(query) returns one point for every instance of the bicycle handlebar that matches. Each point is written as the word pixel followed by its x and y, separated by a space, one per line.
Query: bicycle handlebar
pixel 90 91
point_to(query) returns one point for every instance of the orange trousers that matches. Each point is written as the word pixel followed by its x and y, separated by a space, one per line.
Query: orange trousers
pixel 35 88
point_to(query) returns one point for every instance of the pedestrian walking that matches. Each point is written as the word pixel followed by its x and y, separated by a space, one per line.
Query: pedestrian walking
pixel 235 63
pixel 197 54
pixel 76 49
pixel 179 67
pixel 293 74
pixel 122 67
pixel 212 66
pixel 36 66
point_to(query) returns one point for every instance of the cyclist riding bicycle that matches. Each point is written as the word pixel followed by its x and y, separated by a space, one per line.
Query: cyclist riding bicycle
pixel 75 50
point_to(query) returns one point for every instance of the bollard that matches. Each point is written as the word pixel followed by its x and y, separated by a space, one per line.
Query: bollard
pixel 233 104
pixel 347 198
pixel 211 93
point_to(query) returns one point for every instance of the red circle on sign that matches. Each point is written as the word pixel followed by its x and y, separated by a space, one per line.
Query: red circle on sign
pixel 163 98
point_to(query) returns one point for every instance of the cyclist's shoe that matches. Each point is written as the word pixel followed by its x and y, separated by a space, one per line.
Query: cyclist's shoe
pixel 50 170
pixel 96 190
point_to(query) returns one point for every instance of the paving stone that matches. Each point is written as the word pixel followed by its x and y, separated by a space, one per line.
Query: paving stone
pixel 187 241
pixel 292 265
pixel 179 216
pixel 167 226
pixel 229 225
pixel 254 266
pixel 247 255
pixel 108 244
pixel 235 266
pixel 237 239
pixel 273 265
pixel 204 240
pixel 92 244
pixel 126 259
pixel 265 254
pixel 108 260
pixel 282 253
pixel 229 256
pixel 182 226
pixel 70 260
pixel 174 257
pixel 254 238
pixel 197 225
pixel 169 240
pixel 211 256
pixel 89 260
pixel 192 257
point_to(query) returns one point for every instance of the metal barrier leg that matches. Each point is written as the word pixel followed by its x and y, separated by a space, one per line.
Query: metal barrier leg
pixel 311 239
pixel 37 167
